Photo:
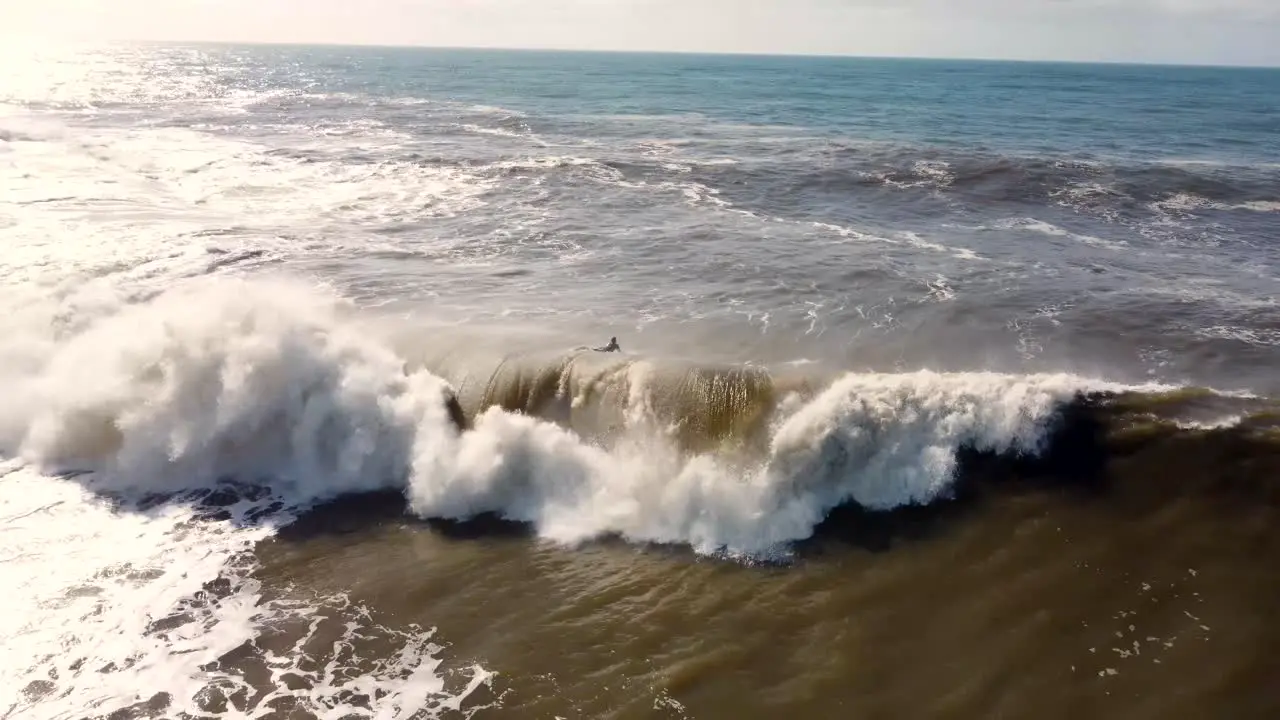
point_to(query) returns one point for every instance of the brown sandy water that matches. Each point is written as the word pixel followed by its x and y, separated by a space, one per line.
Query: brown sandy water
pixel 1148 591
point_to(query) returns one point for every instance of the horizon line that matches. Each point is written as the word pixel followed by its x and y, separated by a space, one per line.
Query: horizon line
pixel 706 53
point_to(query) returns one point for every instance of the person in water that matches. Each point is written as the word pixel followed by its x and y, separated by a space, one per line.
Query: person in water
pixel 611 347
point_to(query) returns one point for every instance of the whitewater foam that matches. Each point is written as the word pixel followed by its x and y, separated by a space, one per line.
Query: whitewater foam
pixel 222 379
pixel 878 440
pixel 85 584
pixel 1183 203
pixel 1259 337
pixel 934 174
pixel 940 289
pixel 232 378
pixel 170 395
pixel 495 132
pixel 129 192
pixel 1045 228
pixel 881 441
pixel 117 606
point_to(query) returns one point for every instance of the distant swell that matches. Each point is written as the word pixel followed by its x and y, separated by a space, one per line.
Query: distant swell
pixel 1001 178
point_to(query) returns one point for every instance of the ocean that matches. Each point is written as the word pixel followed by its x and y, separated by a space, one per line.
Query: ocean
pixel 946 389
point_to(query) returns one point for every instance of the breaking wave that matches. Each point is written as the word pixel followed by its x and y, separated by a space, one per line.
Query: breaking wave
pixel 272 382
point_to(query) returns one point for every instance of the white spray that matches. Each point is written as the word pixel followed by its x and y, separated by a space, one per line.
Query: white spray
pixel 258 380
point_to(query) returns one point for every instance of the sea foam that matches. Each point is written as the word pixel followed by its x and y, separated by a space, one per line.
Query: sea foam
pixel 279 383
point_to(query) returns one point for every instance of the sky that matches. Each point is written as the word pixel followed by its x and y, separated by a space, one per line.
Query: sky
pixel 1216 32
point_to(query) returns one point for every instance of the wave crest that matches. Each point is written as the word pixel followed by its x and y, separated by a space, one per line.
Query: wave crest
pixel 277 383
pixel 228 379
